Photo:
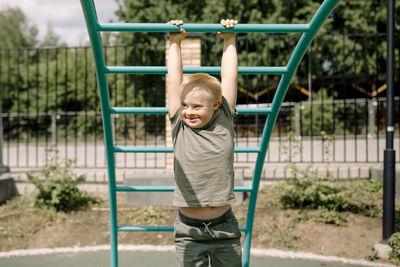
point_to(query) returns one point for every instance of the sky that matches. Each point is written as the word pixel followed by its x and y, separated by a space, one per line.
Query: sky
pixel 65 16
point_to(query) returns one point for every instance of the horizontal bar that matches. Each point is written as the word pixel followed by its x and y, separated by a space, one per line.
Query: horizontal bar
pixel 167 189
pixel 135 69
pixel 145 228
pixel 265 110
pixel 139 110
pixel 191 70
pixel 161 149
pixel 242 189
pixel 241 149
pixel 201 27
pixel 155 228
pixel 145 188
pixel 143 149
pixel 164 110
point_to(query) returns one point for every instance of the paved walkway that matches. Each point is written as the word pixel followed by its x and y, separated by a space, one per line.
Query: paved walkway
pixel 98 257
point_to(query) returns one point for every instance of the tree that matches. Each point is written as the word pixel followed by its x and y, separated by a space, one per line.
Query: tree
pixel 51 38
pixel 16 30
pixel 62 79
pixel 346 30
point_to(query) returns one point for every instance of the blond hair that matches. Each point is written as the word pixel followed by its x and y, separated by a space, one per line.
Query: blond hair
pixel 204 82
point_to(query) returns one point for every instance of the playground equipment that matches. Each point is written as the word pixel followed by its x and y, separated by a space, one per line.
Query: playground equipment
pixel 94 28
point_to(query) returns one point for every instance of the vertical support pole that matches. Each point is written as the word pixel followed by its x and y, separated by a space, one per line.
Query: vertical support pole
pixel 294 61
pixel 89 12
pixel 389 179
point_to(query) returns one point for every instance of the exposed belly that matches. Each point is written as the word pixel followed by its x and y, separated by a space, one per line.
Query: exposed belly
pixel 204 213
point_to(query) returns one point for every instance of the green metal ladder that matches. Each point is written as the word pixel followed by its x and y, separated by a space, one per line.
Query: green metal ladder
pixel 94 28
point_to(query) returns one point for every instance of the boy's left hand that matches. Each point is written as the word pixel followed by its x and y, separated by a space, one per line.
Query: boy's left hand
pixel 227 23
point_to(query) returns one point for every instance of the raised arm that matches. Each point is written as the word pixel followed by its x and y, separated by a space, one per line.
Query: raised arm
pixel 229 64
pixel 174 66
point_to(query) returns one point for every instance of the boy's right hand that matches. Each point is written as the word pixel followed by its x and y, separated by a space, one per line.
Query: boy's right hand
pixel 177 36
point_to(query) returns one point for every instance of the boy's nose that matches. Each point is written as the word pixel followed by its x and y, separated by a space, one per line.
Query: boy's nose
pixel 190 111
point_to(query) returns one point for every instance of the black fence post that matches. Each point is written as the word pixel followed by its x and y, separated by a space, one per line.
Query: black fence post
pixel 389 181
pixel 3 168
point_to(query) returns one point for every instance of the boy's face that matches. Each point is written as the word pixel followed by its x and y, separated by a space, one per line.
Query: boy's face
pixel 198 108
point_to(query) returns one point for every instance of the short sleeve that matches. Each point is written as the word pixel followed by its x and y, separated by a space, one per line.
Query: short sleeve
pixel 174 119
pixel 227 109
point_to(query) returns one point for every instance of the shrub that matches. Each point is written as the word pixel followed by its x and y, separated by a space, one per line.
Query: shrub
pixel 305 194
pixel 330 200
pixel 394 243
pixel 319 196
pixel 58 186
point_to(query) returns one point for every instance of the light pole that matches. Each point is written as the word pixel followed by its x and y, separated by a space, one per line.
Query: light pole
pixel 389 168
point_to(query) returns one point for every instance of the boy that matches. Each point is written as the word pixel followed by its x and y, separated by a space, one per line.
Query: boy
pixel 201 111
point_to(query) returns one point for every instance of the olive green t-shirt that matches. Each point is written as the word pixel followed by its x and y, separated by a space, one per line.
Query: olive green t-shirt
pixel 203 160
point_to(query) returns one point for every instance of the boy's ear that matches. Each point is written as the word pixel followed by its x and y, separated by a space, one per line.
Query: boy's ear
pixel 217 104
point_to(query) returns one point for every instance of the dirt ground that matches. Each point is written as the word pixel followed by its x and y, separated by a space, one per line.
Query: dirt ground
pixel 273 228
pixel 354 240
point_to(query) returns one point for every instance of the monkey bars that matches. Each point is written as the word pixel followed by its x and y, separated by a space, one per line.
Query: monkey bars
pixel 94 28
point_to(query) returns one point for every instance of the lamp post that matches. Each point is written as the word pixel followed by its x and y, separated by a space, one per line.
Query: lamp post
pixel 389 173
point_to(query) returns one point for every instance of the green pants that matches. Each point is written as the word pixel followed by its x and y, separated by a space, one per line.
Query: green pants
pixel 214 243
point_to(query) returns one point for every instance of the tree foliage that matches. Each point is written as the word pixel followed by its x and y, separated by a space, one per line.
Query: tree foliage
pixel 50 38
pixel 16 30
pixel 63 79
pixel 351 29
pixel 356 16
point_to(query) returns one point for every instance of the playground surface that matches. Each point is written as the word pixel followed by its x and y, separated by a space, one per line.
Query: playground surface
pixel 161 256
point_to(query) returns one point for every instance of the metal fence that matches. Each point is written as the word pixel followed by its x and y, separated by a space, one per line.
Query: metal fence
pixel 50 100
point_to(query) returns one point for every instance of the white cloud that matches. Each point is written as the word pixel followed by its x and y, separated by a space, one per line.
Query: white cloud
pixel 66 17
